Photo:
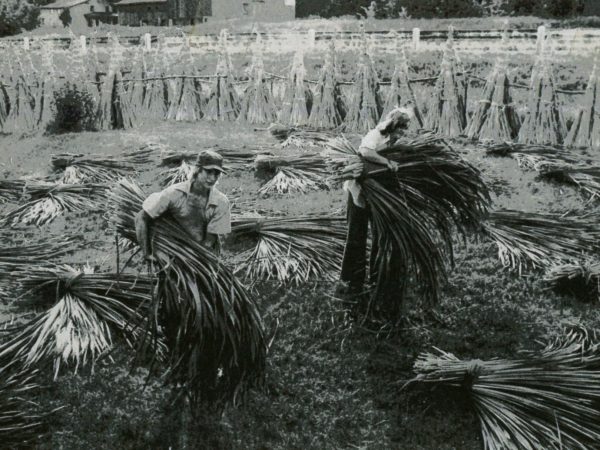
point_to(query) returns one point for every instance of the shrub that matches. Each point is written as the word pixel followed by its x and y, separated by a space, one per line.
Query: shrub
pixel 74 110
pixel 16 15
pixel 65 17
pixel 440 8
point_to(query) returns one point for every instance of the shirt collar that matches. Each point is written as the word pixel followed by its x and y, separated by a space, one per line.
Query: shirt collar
pixel 186 187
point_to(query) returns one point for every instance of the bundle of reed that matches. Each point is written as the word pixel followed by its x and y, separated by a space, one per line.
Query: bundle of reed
pixel 585 130
pixel 587 179
pixel 446 113
pixel 297 98
pixel 121 163
pixel 177 174
pixel 302 138
pixel 22 425
pixel 11 190
pixel 258 105
pixel 223 101
pixel 189 96
pixel 292 249
pixel 414 211
pixel 401 93
pixel 365 104
pixel 544 399
pixel 581 280
pixel 21 117
pixel 155 97
pixel 540 240
pixel 543 123
pixel 267 165
pixel 50 200
pixel 495 118
pixel 235 158
pixel 27 253
pixel 3 102
pixel 214 335
pixel 328 109
pixel 84 310
pixel 135 88
pixel 45 108
pixel 289 180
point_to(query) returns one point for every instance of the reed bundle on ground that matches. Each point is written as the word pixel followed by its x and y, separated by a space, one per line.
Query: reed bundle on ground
pixel 495 118
pixel 294 173
pixel 526 239
pixel 543 399
pixel 587 179
pixel 328 110
pixel 11 190
pixel 297 98
pixel 543 123
pixel 83 311
pixel 27 253
pixel 258 105
pixel 585 130
pixel 223 101
pixel 446 112
pixel 214 335
pixel 415 211
pixel 49 200
pixel 581 280
pixel 365 104
pixel 288 180
pixel 235 158
pixel 155 96
pixel 401 93
pixel 292 249
pixel 187 106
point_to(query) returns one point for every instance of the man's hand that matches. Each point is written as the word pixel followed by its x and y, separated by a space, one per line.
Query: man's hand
pixel 393 165
pixel 150 258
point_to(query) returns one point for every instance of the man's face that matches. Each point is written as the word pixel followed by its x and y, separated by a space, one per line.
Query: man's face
pixel 207 177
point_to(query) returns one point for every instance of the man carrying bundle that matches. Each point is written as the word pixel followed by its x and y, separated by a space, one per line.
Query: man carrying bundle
pixel 197 205
pixel 354 261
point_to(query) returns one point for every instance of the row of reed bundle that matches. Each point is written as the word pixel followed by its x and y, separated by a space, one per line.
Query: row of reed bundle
pixel 291 249
pixel 581 280
pixel 544 122
pixel 543 399
pixel 215 343
pixel 401 94
pixel 83 310
pixel 185 100
pixel 526 239
pixel 297 98
pixel 415 212
pixel 47 201
pixel 585 130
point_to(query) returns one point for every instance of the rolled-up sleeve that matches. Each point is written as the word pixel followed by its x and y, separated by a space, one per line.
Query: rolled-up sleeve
pixel 158 203
pixel 220 222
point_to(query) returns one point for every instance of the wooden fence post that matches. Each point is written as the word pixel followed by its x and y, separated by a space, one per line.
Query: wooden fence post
pixel 26 43
pixel 416 38
pixel 147 41
pixel 311 38
pixel 541 37
pixel 83 43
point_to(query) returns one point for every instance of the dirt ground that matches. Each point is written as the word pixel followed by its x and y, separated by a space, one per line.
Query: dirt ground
pixel 333 382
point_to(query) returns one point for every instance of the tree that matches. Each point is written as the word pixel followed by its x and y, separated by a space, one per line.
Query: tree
pixel 65 17
pixel 16 15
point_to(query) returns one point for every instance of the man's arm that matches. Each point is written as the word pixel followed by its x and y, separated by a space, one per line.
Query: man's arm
pixel 371 155
pixel 210 240
pixel 142 230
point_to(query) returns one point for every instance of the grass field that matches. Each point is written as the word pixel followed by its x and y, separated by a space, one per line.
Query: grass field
pixel 333 379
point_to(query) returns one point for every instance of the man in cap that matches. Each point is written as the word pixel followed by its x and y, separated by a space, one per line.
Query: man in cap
pixel 197 205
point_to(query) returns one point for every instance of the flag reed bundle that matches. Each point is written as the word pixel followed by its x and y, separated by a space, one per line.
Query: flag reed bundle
pixel 544 399
pixel 215 340
pixel 287 174
pixel 178 174
pixel 82 312
pixel 540 240
pixel 45 109
pixel 297 98
pixel 223 101
pixel 27 252
pixel 50 200
pixel 328 110
pixel 292 249
pixel 134 89
pixel 188 101
pixel 543 123
pixel 234 157
pixel 415 211
pixel 581 280
pixel 587 179
pixel 585 130
pixel 11 190
pixel 288 180
pixel 401 93
pixel 495 118
pixel 155 96
pixel 21 116
pixel 258 105
pixel 446 113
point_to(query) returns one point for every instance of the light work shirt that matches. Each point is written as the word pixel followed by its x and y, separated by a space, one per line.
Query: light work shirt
pixel 373 140
pixel 187 209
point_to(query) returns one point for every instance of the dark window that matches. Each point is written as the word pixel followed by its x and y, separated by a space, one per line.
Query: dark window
pixel 246 8
pixel 91 8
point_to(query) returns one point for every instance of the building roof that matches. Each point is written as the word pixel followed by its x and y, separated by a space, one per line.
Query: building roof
pixel 138 2
pixel 62 4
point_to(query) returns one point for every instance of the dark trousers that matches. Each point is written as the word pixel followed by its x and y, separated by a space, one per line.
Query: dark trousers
pixel 354 262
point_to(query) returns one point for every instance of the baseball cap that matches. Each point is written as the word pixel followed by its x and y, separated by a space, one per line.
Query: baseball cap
pixel 209 159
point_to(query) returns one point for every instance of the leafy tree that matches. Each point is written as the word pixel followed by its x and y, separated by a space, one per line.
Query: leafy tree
pixel 65 17
pixel 16 15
